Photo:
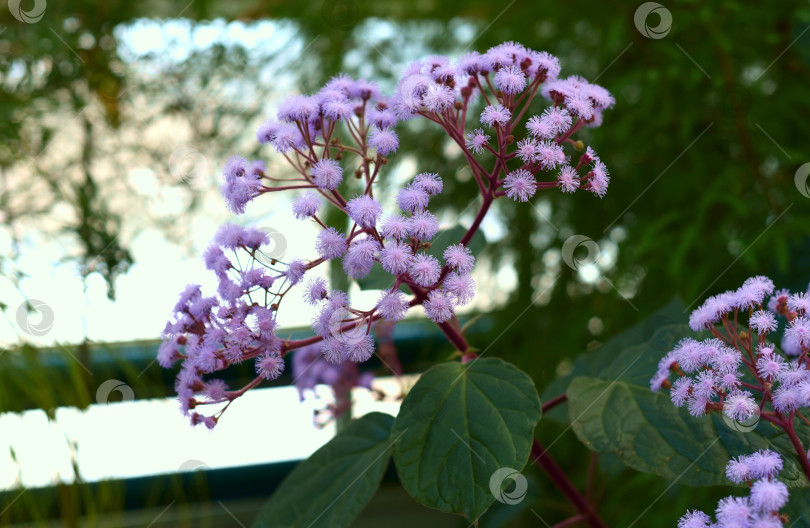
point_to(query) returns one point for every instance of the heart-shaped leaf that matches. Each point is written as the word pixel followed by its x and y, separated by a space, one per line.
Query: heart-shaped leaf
pixel 331 487
pixel 459 425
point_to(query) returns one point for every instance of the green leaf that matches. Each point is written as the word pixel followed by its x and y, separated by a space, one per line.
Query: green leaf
pixel 660 332
pixel 331 487
pixel 459 425
pixel 651 435
pixel 798 509
pixel 379 279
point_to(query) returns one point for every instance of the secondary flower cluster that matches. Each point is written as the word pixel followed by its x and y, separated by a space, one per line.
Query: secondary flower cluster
pixel 211 333
pixel 737 370
pixel 507 78
pixel 760 509
pixel 309 368
pixel 348 127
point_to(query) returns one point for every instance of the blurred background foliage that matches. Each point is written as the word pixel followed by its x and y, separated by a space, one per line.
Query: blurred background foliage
pixel 707 134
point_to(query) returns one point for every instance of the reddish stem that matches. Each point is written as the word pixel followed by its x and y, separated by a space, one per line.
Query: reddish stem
pixel 544 461
pixel 797 445
pixel 553 402
pixel 571 521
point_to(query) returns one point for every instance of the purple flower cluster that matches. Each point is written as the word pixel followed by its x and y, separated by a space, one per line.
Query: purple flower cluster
pixel 237 324
pixel 348 125
pixel 760 509
pixel 712 370
pixel 309 368
pixel 442 90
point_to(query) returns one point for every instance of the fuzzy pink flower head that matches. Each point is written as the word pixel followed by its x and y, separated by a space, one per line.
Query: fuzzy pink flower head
pixel 316 291
pixel 510 80
pixel 429 183
pixel 459 257
pixel 381 119
pixel 327 174
pixel 298 108
pixel 681 391
pixel 740 407
pixel 762 322
pixel 360 257
pixel 438 306
pixel 549 155
pixel 392 305
pixel 738 470
pixel 396 257
pixel 694 519
pixel 394 226
pixel 799 331
pixel 786 399
pixel 769 367
pixel 295 271
pixel 477 140
pixel 496 116
pixel 600 179
pixel 461 287
pixel 359 349
pixel 269 366
pixel 412 199
pixel 438 98
pixel 364 210
pixel 306 205
pixel 568 179
pixel 800 303
pixel 385 141
pixel 423 225
pixel 424 270
pixel 710 312
pixel 761 285
pixel 520 185
pixel 527 150
pixel 769 495
pixel 330 244
pixel 734 511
